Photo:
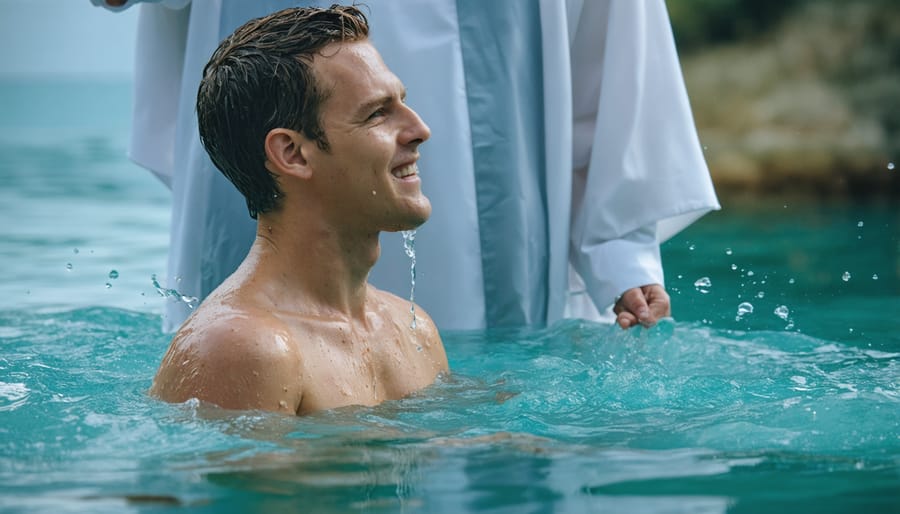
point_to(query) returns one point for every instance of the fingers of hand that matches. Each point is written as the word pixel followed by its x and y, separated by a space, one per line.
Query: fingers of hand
pixel 626 320
pixel 634 305
pixel 658 301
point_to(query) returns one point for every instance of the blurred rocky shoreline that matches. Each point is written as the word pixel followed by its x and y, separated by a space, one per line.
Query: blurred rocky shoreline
pixel 807 101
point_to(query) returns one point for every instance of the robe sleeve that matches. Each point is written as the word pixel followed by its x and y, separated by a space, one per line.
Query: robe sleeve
pixel 641 176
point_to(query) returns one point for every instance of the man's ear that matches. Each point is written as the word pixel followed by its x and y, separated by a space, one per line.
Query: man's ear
pixel 285 153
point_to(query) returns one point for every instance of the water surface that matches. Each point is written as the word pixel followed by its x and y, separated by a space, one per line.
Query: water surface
pixel 789 408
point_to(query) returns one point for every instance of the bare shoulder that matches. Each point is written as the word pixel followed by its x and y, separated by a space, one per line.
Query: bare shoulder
pixel 426 332
pixel 234 358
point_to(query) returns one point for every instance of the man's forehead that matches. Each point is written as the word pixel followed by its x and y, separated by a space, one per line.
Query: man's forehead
pixel 355 68
pixel 353 58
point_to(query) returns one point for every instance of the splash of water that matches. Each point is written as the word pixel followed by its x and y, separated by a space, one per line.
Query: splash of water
pixel 782 312
pixel 703 284
pixel 190 301
pixel 743 309
pixel 409 245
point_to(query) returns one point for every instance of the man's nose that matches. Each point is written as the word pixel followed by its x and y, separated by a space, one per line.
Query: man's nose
pixel 416 131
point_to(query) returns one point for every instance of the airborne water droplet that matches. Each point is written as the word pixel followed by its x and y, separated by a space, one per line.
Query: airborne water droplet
pixel 743 309
pixel 69 266
pixel 702 284
pixel 846 276
pixel 875 277
pixel 890 166
pixel 782 312
pixel 113 274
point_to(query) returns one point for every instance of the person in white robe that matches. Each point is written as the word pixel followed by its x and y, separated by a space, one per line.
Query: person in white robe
pixel 563 152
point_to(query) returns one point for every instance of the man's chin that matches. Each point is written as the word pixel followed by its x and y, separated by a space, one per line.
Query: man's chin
pixel 414 219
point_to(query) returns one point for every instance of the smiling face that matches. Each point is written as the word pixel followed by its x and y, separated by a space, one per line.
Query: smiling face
pixel 369 173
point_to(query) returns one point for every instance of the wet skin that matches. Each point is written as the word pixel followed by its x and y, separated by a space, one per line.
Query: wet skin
pixel 297 328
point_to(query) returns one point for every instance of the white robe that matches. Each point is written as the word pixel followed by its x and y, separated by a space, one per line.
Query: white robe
pixel 563 151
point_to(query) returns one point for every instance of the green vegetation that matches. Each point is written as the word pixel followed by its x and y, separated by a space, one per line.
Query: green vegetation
pixel 798 94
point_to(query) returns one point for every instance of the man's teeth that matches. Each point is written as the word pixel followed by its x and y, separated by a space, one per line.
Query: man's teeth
pixel 406 171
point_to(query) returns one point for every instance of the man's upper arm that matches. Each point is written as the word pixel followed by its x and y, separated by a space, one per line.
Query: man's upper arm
pixel 235 366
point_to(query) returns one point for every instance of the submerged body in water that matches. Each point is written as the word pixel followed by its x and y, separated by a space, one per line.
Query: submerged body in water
pixel 674 419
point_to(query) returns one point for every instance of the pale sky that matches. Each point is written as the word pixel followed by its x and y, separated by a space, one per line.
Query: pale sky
pixel 65 37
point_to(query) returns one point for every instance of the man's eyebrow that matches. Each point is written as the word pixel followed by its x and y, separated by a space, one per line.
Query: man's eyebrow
pixel 365 109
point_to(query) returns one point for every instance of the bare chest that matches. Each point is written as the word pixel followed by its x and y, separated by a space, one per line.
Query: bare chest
pixel 349 369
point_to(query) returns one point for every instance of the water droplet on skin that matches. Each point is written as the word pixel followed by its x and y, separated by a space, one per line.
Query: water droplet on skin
pixel 846 276
pixel 69 266
pixel 113 274
pixel 782 312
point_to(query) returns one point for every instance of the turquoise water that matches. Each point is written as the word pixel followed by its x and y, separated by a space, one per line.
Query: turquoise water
pixel 705 413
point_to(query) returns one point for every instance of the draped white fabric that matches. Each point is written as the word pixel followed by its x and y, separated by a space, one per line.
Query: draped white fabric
pixel 622 166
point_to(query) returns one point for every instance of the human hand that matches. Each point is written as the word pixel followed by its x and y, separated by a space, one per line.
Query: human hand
pixel 644 305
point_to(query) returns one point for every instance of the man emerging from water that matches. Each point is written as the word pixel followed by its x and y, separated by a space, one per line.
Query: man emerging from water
pixel 298 110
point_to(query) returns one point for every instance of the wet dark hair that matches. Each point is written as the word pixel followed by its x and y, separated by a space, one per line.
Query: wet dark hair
pixel 260 78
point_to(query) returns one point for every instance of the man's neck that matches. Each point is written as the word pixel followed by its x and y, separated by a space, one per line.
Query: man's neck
pixel 312 264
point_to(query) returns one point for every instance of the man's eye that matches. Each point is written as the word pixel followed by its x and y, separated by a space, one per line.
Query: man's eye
pixel 377 114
